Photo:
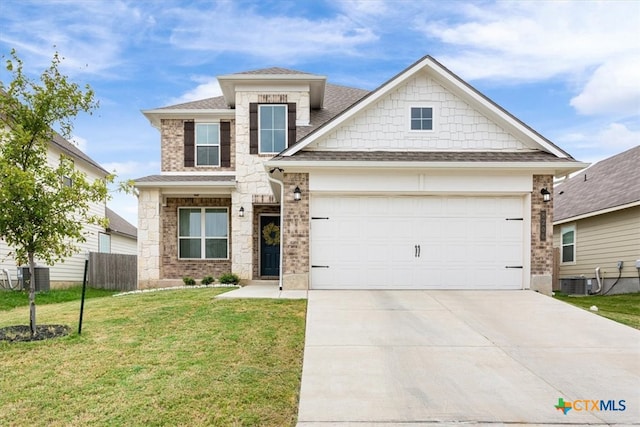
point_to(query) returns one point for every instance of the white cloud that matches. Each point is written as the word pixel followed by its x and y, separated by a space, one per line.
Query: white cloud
pixel 614 88
pixel 278 38
pixel 598 143
pixel 208 87
pixel 127 169
pixel 531 41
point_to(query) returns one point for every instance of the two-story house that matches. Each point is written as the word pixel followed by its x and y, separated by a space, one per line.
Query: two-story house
pixel 98 239
pixel 422 183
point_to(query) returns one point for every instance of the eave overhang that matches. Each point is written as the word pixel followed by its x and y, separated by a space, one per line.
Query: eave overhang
pixel 155 116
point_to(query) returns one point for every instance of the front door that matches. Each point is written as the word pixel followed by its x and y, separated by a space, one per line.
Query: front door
pixel 269 245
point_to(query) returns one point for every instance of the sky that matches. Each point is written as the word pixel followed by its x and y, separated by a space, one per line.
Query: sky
pixel 568 69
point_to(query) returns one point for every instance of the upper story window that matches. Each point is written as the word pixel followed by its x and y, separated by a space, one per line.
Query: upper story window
pixel 421 118
pixel 67 162
pixel 568 236
pixel 273 128
pixel 207 144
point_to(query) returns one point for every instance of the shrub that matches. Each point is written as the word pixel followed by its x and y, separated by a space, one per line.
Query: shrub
pixel 188 281
pixel 229 278
pixel 207 280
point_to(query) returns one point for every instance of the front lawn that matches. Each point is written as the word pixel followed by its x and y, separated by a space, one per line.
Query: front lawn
pixel 162 358
pixel 13 299
pixel 623 308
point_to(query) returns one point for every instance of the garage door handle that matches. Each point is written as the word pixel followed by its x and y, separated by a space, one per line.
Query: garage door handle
pixel 319 266
pixel 419 248
pixel 513 266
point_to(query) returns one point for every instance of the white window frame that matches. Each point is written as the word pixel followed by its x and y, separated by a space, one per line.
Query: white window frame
pixel 563 230
pixel 107 239
pixel 196 145
pixel 433 118
pixel 67 181
pixel 203 238
pixel 286 127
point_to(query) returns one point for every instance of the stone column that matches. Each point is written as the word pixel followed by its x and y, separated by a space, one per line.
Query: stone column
pixel 148 238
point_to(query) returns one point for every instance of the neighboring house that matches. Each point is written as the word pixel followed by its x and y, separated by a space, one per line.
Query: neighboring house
pixel 597 224
pixel 423 183
pixel 71 270
pixel 120 237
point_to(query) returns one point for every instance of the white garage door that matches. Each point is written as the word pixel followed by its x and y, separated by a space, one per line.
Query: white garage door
pixel 425 242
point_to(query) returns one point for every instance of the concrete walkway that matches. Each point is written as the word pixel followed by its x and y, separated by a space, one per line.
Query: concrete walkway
pixel 263 291
pixel 381 358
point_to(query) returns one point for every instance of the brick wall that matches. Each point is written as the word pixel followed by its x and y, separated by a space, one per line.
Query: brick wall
pixel 541 248
pixel 173 268
pixel 295 233
pixel 172 148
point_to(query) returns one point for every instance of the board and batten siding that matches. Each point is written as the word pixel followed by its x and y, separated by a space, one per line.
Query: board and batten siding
pixel 602 241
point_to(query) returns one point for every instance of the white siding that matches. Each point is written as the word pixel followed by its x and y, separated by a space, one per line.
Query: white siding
pixel 72 268
pixel 385 125
pixel 123 245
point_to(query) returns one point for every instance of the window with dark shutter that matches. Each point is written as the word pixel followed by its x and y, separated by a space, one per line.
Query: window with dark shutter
pixel 225 144
pixel 291 124
pixel 253 128
pixel 189 144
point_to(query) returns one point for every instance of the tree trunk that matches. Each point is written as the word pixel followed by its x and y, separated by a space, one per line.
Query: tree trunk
pixel 32 294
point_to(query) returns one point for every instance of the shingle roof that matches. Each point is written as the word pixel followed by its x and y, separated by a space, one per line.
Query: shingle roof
pixel 215 103
pixel 424 156
pixel 607 184
pixel 73 151
pixel 119 225
pixel 275 71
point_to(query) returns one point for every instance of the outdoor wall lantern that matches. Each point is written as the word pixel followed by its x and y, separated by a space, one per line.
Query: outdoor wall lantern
pixel 241 212
pixel 297 194
pixel 546 196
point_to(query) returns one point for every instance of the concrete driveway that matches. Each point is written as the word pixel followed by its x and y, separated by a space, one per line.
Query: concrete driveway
pixel 477 357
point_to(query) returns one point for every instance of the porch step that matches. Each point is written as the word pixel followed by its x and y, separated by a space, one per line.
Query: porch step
pixel 260 282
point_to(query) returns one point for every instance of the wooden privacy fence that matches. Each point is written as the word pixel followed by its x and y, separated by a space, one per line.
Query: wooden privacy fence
pixel 116 272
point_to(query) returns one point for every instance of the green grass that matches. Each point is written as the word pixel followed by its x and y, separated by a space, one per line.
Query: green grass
pixel 13 299
pixel 621 308
pixel 162 358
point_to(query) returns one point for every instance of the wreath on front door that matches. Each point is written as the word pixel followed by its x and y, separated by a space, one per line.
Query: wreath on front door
pixel 271 234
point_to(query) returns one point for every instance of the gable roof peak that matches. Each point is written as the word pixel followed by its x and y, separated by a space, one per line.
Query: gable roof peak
pixel 275 71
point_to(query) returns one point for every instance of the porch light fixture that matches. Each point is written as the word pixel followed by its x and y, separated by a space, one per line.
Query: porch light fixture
pixel 297 194
pixel 241 213
pixel 546 195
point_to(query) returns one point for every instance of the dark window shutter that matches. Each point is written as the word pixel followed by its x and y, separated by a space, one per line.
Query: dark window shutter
pixel 291 124
pixel 189 144
pixel 225 144
pixel 253 128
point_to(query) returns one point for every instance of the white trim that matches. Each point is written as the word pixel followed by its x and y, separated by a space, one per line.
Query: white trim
pixel 417 132
pixel 198 173
pixel 220 184
pixel 596 213
pixel 286 127
pixel 195 143
pixel 563 230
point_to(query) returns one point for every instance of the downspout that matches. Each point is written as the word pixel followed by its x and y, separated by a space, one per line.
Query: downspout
pixel 281 184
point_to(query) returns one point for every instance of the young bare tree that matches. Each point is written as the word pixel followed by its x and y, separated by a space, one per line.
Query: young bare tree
pixel 42 215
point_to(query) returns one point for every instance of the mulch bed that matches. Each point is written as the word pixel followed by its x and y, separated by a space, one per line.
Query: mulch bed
pixel 22 333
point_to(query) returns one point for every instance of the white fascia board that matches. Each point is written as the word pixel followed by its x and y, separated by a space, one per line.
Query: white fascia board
pixel 596 213
pixel 228 84
pixel 154 116
pixel 197 173
pixel 535 167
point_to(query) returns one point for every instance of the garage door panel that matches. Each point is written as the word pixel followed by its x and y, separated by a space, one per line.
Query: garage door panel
pixel 371 242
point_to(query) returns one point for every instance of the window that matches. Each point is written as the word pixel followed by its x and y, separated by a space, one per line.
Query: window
pixel 69 165
pixel 568 236
pixel 203 233
pixel 207 144
pixel 421 118
pixel 104 243
pixel 273 128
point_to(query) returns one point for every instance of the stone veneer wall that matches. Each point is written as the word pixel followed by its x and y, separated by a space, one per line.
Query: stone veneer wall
pixel 148 238
pixel 172 152
pixel 173 268
pixel 541 250
pixel 257 211
pixel 295 233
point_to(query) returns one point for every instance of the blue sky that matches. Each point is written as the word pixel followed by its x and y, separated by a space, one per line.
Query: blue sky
pixel 570 70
